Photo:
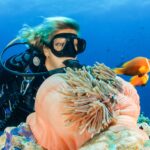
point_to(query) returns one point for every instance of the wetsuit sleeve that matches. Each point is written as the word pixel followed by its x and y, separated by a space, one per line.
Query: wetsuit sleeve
pixel 18 62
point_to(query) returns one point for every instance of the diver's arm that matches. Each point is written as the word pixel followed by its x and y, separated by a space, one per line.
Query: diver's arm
pixel 18 62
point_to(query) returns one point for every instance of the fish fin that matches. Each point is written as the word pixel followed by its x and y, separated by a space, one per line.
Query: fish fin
pixel 125 64
pixel 119 70
pixel 145 78
pixel 139 81
pixel 143 69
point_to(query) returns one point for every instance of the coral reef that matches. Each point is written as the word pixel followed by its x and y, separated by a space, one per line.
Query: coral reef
pixel 117 139
pixel 18 138
pixel 144 124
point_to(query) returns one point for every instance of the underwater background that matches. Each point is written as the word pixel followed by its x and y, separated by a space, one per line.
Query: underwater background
pixel 115 30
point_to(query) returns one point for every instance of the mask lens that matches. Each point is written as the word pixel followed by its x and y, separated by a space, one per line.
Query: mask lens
pixel 75 42
pixel 59 43
pixel 79 44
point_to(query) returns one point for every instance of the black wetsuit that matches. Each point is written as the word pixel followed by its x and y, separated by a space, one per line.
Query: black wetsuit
pixel 17 93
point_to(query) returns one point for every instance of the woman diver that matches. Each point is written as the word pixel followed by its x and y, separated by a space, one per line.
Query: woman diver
pixel 53 45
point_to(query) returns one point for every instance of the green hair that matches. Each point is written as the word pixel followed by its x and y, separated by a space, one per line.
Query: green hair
pixel 46 29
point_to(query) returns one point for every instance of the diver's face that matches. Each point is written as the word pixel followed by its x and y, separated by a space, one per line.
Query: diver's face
pixel 59 42
pixel 65 43
pixel 52 61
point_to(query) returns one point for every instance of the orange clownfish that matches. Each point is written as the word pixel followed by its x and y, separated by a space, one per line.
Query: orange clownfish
pixel 139 67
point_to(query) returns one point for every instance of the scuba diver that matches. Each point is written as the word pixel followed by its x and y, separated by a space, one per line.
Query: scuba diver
pixel 52 46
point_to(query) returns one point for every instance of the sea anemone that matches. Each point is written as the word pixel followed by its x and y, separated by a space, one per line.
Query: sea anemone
pixel 90 98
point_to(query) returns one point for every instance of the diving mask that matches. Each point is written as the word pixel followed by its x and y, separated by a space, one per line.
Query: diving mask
pixel 66 45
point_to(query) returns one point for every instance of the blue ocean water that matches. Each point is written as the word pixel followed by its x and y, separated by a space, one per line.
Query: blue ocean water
pixel 116 30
